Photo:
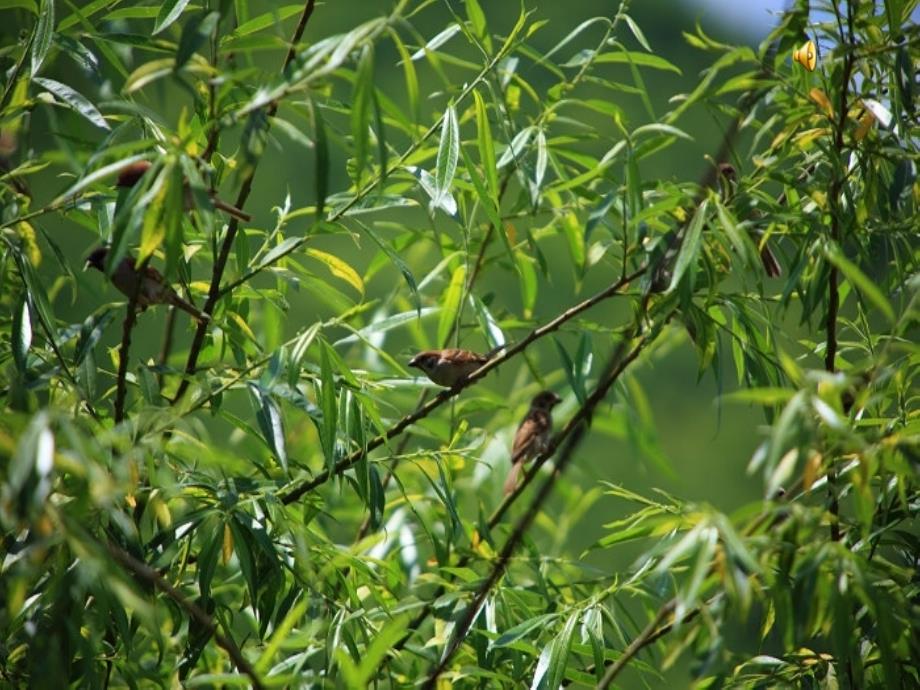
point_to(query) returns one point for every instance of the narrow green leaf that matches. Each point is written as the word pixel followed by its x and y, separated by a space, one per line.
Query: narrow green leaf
pixel 169 12
pixel 860 280
pixel 637 32
pixel 74 100
pixel 540 168
pixel 28 5
pixel 362 97
pixel 22 332
pixel 194 35
pixel 287 246
pixel 740 239
pixel 448 152
pixel 409 74
pixel 488 204
pixel 527 276
pixel 521 629
pixel 623 57
pixel 44 32
pixel 148 73
pixel 37 295
pixel 263 21
pixel 328 404
pixel 436 42
pixel 271 424
pixel 487 323
pixel 554 670
pixel 513 151
pixel 450 304
pixel 486 146
pixel 397 261
pixel 90 334
pixel 690 246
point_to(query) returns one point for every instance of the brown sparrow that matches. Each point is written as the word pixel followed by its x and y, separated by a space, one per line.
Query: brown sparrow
pixel 130 174
pixel 532 436
pixel 153 290
pixel 728 179
pixel 448 367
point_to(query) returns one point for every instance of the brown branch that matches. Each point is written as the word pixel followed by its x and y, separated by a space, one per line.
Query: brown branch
pixel 167 342
pixel 651 633
pixel 572 434
pixel 195 612
pixel 121 380
pixel 833 278
pixel 214 291
pixel 296 490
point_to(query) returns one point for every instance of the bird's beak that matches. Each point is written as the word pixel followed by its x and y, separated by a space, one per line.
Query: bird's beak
pixel 414 362
pixel 86 265
pixel 556 399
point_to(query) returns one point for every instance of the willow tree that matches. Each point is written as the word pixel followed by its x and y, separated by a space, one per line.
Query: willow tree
pixel 269 495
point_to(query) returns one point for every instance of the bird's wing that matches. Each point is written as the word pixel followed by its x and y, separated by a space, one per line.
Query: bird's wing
pixel 464 356
pixel 527 438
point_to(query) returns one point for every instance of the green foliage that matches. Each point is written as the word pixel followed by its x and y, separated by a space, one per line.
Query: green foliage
pixel 267 514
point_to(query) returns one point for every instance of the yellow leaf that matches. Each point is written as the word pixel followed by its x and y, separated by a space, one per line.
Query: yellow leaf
pixel 27 234
pixel 865 124
pixel 803 139
pixel 819 97
pixel 241 322
pixel 227 548
pixel 810 473
pixel 161 510
pixel 339 268
pixel 154 230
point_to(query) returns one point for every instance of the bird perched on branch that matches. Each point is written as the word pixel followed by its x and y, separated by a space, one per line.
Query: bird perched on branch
pixel 153 286
pixel 131 174
pixel 728 178
pixel 532 436
pixel 448 367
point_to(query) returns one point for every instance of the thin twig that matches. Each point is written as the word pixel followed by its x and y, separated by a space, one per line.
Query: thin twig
pixel 214 291
pixel 645 638
pixel 121 380
pixel 833 278
pixel 194 611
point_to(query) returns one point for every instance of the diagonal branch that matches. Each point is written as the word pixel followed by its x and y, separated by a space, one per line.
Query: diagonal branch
pixel 296 490
pixel 214 291
pixel 572 435
pixel 121 380
pixel 195 612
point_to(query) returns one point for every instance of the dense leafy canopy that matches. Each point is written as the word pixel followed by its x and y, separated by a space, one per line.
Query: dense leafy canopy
pixel 271 497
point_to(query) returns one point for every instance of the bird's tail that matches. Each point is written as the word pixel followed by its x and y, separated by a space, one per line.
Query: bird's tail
pixel 188 307
pixel 230 209
pixel 512 480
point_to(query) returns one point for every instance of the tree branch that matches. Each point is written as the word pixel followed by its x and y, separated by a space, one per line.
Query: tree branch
pixel 296 490
pixel 572 434
pixel 214 291
pixel 145 572
pixel 121 380
pixel 651 633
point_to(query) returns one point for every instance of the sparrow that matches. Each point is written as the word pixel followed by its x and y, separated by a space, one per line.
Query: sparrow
pixel 448 367
pixel 153 290
pixel 132 173
pixel 728 178
pixel 532 436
